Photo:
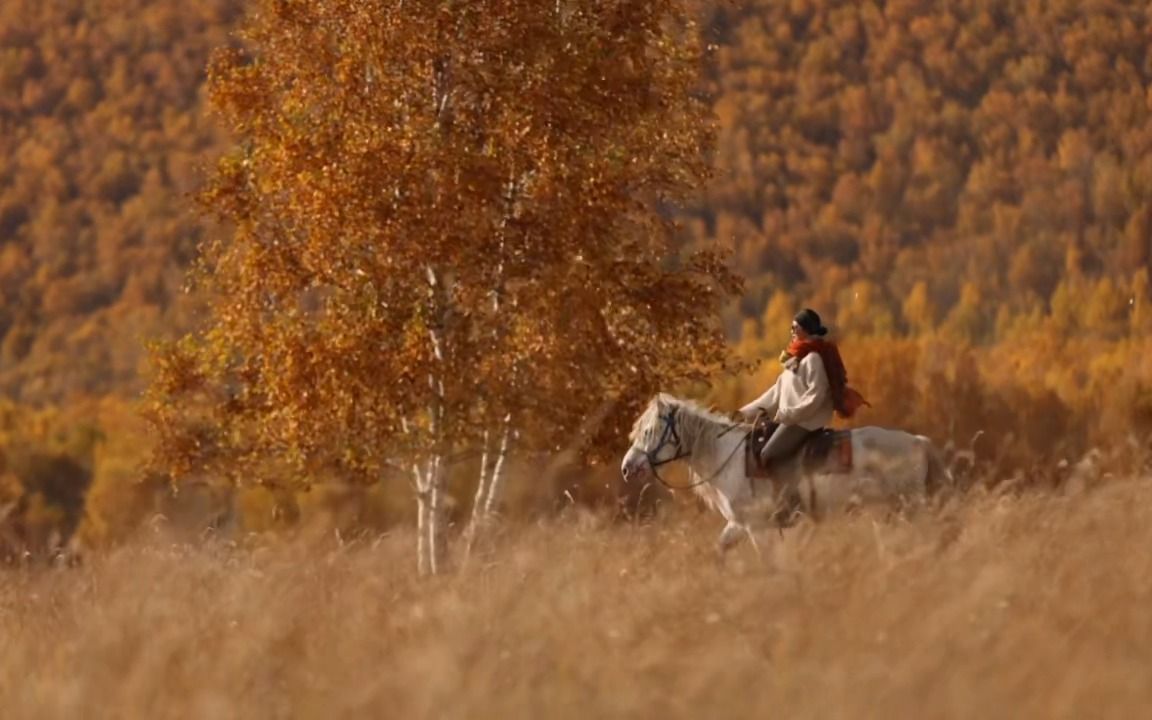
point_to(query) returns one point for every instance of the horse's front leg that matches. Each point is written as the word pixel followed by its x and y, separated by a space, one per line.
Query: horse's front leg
pixel 732 533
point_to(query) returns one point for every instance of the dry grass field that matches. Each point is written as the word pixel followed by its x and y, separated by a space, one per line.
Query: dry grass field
pixel 1031 606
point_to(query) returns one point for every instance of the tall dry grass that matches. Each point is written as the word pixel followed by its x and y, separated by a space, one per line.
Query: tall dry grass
pixel 1032 606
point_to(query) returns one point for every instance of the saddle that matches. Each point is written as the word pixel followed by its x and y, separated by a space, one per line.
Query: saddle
pixel 824 450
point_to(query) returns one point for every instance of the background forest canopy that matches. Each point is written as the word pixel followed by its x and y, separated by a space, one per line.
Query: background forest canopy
pixel 962 189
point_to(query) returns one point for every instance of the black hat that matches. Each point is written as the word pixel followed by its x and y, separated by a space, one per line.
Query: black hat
pixel 810 321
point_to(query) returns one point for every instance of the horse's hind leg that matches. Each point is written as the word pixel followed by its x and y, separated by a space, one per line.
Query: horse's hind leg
pixel 752 539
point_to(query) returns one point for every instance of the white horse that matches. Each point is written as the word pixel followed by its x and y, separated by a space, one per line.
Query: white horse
pixel 887 466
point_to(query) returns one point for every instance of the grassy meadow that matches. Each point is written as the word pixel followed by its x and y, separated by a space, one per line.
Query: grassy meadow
pixel 1030 605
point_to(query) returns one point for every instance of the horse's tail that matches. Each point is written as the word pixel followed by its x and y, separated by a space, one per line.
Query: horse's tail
pixel 939 477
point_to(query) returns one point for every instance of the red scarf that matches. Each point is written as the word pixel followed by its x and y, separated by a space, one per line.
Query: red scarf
pixel 845 400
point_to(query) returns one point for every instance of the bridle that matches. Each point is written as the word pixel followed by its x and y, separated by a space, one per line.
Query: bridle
pixel 671 435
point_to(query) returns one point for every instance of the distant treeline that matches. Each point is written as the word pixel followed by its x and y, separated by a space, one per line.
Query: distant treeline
pixel 963 189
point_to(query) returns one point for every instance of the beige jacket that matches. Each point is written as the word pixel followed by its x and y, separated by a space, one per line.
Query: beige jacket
pixel 801 395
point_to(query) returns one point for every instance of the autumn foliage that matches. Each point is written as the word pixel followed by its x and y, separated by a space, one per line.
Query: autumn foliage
pixel 961 189
pixel 964 189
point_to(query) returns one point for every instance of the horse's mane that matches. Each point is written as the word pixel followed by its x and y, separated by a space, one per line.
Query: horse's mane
pixel 692 415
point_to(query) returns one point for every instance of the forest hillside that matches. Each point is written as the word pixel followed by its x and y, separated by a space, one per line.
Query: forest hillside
pixel 963 189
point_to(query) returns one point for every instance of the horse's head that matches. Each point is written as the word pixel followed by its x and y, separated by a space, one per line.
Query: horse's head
pixel 656 438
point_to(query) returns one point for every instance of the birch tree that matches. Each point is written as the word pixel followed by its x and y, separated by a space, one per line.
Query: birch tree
pixel 448 232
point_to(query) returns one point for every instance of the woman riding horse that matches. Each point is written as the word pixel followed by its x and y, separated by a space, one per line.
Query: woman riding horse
pixel 813 385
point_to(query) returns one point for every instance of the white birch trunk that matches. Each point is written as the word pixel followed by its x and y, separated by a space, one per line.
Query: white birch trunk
pixel 477 500
pixel 490 481
pixel 430 482
pixel 422 563
pixel 428 496
pixel 434 545
pixel 429 545
pixel 498 469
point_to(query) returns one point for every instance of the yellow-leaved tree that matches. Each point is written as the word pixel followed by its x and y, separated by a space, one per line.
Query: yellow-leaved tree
pixel 448 235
